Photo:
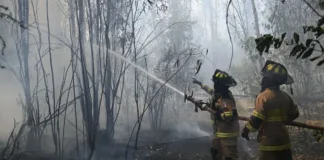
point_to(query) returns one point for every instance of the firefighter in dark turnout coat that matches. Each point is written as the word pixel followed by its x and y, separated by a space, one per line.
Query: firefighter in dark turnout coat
pixel 273 108
pixel 210 91
pixel 224 113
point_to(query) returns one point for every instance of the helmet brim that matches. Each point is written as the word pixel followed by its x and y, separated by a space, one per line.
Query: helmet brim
pixel 289 80
pixel 230 83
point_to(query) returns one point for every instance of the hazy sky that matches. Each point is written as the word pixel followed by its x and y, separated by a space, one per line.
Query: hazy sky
pixel 221 55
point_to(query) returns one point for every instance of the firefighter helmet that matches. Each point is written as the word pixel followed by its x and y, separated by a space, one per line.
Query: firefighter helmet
pixel 276 71
pixel 223 78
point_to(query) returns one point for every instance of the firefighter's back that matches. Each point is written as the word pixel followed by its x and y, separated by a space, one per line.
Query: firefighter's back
pixel 277 106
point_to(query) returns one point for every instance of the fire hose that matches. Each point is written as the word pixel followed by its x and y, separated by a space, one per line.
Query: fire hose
pixel 293 123
pixel 242 118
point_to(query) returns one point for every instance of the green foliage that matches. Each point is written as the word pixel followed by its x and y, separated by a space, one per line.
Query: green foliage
pixel 300 49
pixel 264 43
pixel 198 66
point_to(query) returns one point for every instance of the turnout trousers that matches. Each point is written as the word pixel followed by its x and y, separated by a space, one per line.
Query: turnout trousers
pixel 275 155
pixel 224 147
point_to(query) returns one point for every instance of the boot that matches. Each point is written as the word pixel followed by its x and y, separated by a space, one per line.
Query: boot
pixel 214 153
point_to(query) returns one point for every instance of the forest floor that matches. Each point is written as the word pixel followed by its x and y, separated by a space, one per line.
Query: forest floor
pixel 185 148
pixel 198 149
pixel 188 149
pixel 304 148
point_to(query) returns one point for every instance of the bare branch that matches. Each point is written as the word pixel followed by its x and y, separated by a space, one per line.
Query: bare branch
pixel 229 33
pixel 314 10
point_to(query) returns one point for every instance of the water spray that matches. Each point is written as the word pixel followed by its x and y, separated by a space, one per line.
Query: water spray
pixel 186 97
pixel 118 55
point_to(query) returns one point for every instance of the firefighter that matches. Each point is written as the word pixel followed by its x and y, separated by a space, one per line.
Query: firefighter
pixel 224 113
pixel 210 91
pixel 273 108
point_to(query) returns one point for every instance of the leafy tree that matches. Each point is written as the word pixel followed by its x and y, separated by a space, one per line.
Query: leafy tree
pixel 302 49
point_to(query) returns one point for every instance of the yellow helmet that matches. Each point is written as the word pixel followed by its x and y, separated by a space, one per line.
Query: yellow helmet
pixel 277 72
pixel 223 78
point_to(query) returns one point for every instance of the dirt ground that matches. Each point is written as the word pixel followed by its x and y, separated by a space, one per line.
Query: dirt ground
pixel 171 147
pixel 198 149
pixel 189 149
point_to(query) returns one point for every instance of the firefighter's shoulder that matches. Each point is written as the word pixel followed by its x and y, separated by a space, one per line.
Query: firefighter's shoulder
pixel 265 96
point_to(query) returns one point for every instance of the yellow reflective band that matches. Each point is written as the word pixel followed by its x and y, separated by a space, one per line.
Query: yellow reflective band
pixel 225 75
pixel 217 74
pixel 283 71
pixel 226 135
pixel 209 89
pixel 252 129
pixel 228 113
pixel 276 113
pixel 269 67
pixel 276 119
pixel 223 116
pixel 274 148
pixel 258 115
pixel 276 70
pixel 221 75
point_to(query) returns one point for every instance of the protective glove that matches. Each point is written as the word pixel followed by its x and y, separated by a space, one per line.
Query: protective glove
pixel 245 133
pixel 203 108
pixel 194 80
pixel 198 104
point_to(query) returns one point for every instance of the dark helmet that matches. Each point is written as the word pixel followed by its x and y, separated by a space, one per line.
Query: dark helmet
pixel 224 78
pixel 277 72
